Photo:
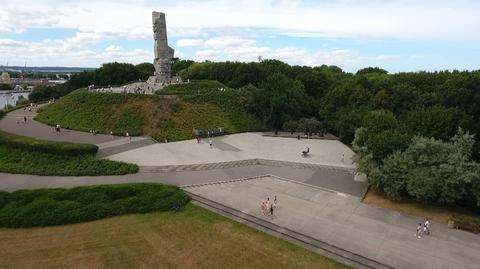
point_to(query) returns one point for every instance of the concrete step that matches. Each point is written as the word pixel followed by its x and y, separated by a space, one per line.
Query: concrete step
pixel 314 244
pixel 126 146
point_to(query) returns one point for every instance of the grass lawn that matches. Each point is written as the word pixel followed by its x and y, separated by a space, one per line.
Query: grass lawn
pixel 193 238
pixel 436 213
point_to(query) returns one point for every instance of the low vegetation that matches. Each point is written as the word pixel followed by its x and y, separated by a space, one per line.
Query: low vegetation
pixel 192 238
pixel 46 207
pixel 194 87
pixel 161 117
pixel 24 155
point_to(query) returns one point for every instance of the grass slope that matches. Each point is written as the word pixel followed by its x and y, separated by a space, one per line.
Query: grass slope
pixel 192 238
pixel 24 155
pixel 46 207
pixel 162 117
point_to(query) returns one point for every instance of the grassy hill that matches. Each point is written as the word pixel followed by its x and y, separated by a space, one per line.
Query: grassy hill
pixel 163 116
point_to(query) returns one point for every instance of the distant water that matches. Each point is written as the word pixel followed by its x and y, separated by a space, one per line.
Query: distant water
pixel 10 98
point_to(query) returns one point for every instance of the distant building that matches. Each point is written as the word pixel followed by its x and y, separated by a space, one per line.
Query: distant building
pixel 5 78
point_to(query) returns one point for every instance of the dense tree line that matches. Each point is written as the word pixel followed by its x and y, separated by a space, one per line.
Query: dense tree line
pixel 110 74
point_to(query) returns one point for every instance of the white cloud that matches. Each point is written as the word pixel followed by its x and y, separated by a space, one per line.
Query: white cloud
pixel 192 42
pixel 400 19
pixel 228 41
pixel 235 25
pixel 63 53
pixel 113 48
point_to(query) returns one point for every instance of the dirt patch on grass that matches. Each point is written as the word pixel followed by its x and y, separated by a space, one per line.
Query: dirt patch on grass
pixel 434 212
pixel 194 238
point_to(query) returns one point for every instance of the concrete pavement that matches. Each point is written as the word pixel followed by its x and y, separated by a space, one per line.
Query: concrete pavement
pixel 341 220
pixel 242 146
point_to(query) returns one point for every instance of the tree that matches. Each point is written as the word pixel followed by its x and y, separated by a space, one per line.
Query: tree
pixel 5 87
pixel 145 70
pixel 437 121
pixel 370 70
pixel 290 126
pixel 280 99
pixel 431 170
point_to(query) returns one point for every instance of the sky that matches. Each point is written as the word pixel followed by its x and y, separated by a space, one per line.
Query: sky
pixel 397 35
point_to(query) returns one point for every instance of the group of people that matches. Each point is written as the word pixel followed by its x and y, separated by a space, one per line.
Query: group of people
pixel 268 206
pixel 423 229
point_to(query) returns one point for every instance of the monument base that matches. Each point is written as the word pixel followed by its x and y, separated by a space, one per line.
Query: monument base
pixel 160 80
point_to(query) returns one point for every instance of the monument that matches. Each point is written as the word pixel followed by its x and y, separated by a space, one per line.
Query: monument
pixel 163 53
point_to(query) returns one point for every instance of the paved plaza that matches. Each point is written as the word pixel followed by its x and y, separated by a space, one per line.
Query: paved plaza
pixel 342 220
pixel 240 147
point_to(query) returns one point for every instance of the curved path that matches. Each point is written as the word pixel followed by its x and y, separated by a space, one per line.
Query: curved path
pixel 309 206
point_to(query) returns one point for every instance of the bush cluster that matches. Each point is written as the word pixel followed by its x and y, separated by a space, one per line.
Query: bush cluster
pixel 18 161
pixel 24 155
pixel 45 207
pixel 36 145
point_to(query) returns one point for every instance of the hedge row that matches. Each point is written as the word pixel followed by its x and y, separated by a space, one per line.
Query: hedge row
pixel 18 161
pixel 36 145
pixel 46 207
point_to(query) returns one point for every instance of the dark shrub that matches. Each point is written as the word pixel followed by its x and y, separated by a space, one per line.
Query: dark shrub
pixel 45 207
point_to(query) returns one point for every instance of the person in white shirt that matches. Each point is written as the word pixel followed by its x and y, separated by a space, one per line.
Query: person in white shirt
pixel 426 227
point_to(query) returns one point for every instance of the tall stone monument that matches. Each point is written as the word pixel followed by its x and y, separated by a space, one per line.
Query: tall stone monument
pixel 163 53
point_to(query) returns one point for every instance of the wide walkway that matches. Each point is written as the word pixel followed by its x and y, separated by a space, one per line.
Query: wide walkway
pixel 341 220
pixel 240 147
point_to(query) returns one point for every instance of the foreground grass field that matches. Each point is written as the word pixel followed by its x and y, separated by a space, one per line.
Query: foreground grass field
pixel 193 238
pixel 171 117
pixel 24 155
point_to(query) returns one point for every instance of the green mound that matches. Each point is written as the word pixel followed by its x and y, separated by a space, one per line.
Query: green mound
pixel 24 155
pixel 45 207
pixel 171 117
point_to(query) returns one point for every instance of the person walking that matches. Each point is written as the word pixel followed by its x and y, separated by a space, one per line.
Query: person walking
pixel 419 230
pixel 426 227
pixel 24 119
pixel 271 210
pixel 275 201
pixel 210 142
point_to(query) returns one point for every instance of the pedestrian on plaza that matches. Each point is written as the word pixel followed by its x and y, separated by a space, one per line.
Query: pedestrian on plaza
pixel 275 201
pixel 343 158
pixel 426 227
pixel 24 119
pixel 419 231
pixel 57 128
pixel 198 139
pixel 128 135
pixel 262 207
pixel 210 142
pixel 271 210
